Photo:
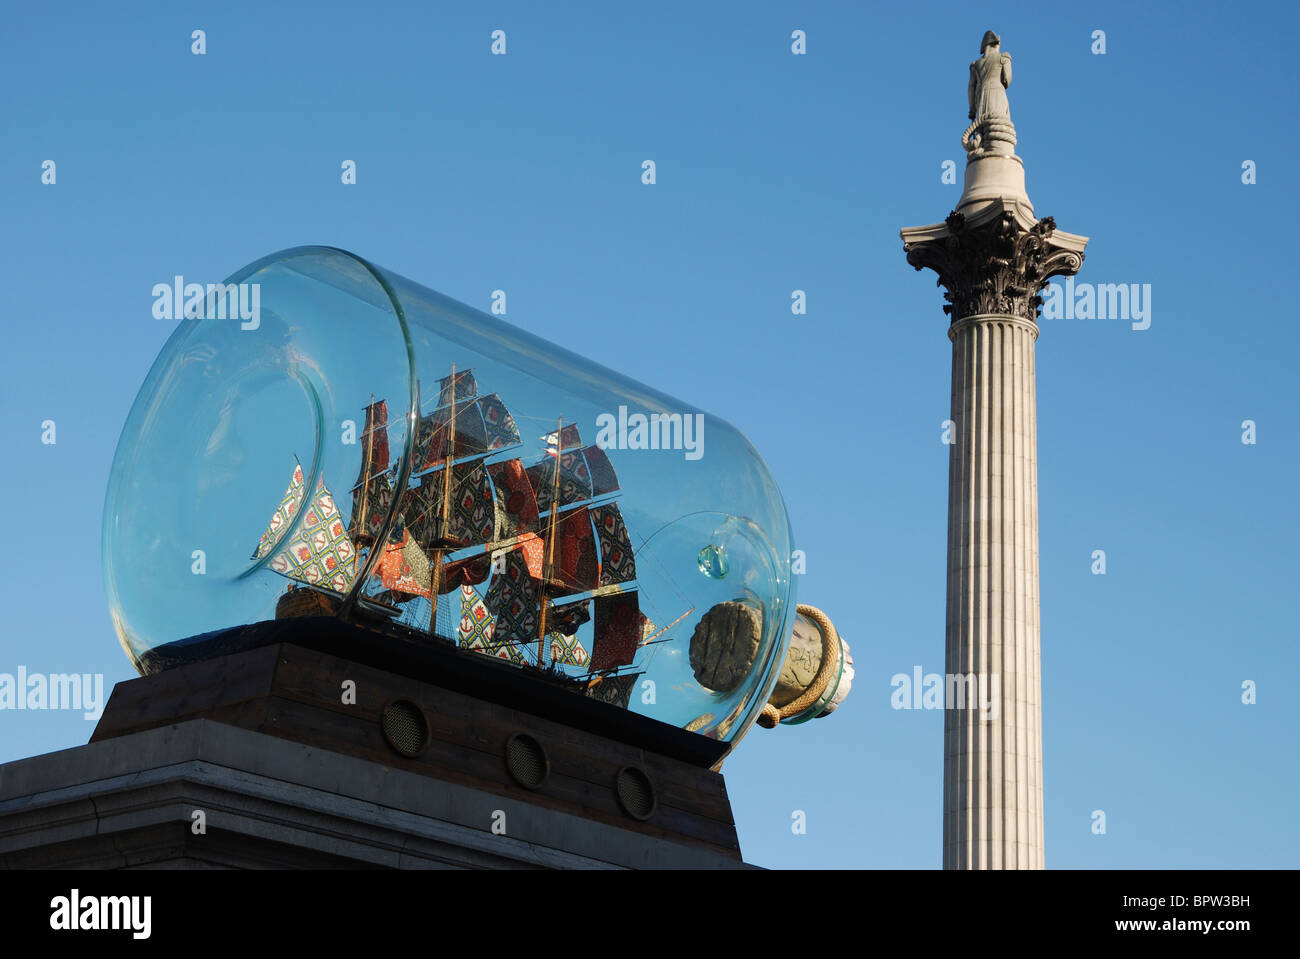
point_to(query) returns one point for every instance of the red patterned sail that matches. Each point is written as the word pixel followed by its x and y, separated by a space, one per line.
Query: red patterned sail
pixel 576 563
pixel 516 502
pixel 618 629
pixel 404 568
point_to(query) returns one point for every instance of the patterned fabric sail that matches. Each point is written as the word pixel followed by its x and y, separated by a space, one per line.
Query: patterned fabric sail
pixel 433 437
pixel 290 503
pixel 615 690
pixel 532 552
pixel 603 478
pixel 575 481
pixel 619 628
pixel 566 618
pixel 465 572
pixel 375 437
pixel 566 438
pixel 577 567
pixel 513 599
pixel 465 387
pixel 585 472
pixel 373 493
pixel 498 424
pixel 483 425
pixel 472 517
pixel 564 445
pixel 477 630
pixel 617 562
pixel 404 568
pixel 370 505
pixel 319 553
pixel 567 650
pixel 516 509
pixel 433 432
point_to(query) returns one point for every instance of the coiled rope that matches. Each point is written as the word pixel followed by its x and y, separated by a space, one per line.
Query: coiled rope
pixel 771 715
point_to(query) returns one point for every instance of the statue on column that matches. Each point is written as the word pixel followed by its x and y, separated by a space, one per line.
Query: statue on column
pixel 991 132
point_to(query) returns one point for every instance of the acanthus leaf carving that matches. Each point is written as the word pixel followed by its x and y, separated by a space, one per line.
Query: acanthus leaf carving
pixel 998 267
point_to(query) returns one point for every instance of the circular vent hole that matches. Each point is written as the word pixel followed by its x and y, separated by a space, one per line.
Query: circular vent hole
pixel 636 794
pixel 526 760
pixel 405 728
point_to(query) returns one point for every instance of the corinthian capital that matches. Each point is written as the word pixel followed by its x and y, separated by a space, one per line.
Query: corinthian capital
pixel 995 261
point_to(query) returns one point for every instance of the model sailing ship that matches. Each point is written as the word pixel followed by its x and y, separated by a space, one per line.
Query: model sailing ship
pixel 547 538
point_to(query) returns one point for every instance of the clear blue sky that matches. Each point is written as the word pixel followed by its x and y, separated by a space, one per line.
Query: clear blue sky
pixel 775 172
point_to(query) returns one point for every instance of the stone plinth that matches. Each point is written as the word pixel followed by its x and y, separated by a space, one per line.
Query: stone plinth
pixel 268 802
pixel 297 757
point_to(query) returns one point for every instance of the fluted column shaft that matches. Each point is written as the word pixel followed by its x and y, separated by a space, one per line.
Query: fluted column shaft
pixel 993 259
pixel 993 794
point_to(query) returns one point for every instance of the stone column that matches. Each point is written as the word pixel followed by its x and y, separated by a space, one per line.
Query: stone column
pixel 993 258
pixel 993 799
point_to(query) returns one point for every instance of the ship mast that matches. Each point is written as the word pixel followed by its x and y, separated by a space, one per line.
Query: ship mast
pixel 549 566
pixel 444 510
pixel 365 470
